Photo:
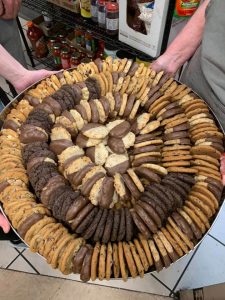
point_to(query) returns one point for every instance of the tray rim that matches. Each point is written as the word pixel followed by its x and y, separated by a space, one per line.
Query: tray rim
pixel 20 96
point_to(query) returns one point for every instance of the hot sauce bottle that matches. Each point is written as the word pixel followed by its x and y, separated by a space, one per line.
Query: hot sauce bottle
pixel 186 8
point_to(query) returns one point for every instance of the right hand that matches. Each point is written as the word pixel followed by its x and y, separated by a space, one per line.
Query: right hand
pixel 9 9
pixel 4 224
pixel 165 63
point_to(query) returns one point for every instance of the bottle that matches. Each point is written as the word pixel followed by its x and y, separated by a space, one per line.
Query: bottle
pixel 94 10
pixel 65 58
pixel 74 60
pixel 56 53
pixel 85 8
pixel 100 49
pixel 37 39
pixel 101 13
pixel 112 18
pixel 186 8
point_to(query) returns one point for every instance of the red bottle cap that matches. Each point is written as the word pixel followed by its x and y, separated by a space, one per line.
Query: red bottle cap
pixel 112 6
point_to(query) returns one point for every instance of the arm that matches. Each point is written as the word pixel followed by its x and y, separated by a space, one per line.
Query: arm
pixel 9 9
pixel 15 73
pixel 185 44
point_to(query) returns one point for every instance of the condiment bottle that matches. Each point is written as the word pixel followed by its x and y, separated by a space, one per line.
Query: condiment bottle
pixel 94 10
pixel 74 60
pixel 112 18
pixel 85 8
pixel 101 13
pixel 89 41
pixel 50 44
pixel 65 58
pixel 37 39
pixel 56 56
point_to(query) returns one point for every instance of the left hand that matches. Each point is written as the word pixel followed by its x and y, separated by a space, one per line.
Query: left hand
pixel 30 77
pixel 10 9
pixel 4 224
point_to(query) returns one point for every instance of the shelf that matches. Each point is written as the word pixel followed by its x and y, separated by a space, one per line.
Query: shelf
pixel 72 20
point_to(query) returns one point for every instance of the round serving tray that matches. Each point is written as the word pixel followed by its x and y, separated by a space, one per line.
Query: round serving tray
pixel 20 96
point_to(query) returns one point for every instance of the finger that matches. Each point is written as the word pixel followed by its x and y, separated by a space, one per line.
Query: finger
pixel 4 224
pixel 2 9
pixel 10 7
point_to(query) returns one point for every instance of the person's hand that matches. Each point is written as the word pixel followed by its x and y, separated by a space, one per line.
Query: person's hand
pixel 9 9
pixel 4 224
pixel 30 77
pixel 165 63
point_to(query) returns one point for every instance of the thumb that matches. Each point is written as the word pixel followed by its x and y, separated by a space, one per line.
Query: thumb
pixel 4 224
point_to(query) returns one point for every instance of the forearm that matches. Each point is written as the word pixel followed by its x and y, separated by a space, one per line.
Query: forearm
pixel 189 39
pixel 184 45
pixel 10 68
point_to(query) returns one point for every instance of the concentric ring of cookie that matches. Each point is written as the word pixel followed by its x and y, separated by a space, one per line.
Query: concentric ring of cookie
pixel 62 145
pixel 181 231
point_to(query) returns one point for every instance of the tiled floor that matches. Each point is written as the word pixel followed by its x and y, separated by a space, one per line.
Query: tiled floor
pixel 22 286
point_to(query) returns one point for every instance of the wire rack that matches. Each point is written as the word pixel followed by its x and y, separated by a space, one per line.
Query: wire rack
pixel 72 20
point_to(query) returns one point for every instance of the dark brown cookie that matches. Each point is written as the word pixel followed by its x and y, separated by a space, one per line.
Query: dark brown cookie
pixel 76 207
pixel 84 212
pixel 87 221
pixel 101 226
pixel 92 227
pixel 140 224
pixel 108 228
pixel 129 225
pixel 131 186
pixel 146 173
pixel 146 218
pixel 122 226
pixel 116 224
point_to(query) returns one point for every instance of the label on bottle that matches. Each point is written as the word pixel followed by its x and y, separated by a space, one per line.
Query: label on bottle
pixel 101 17
pixel 65 63
pixel 94 11
pixel 112 24
pixel 89 45
pixel 57 60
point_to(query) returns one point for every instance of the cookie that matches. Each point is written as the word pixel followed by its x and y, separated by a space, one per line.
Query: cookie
pixel 94 261
pixel 129 259
pixel 137 260
pixel 151 126
pixel 116 163
pixel 85 273
pixel 123 269
pixel 109 261
pixel 140 224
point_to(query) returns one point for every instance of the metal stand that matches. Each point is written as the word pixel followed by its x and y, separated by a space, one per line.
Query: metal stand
pixel 25 42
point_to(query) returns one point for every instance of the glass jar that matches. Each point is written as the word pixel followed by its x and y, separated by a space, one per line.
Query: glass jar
pixel 110 50
pixel 100 51
pixel 89 42
pixel 85 8
pixel 65 58
pixel 61 36
pixel 94 10
pixel 72 49
pixel 74 60
pixel 91 55
pixel 56 53
pixel 81 53
pixel 65 45
pixel 50 44
pixel 112 18
pixel 101 13
pixel 79 36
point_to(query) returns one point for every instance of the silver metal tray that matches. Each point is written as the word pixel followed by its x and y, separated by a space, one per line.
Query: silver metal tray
pixel 15 101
